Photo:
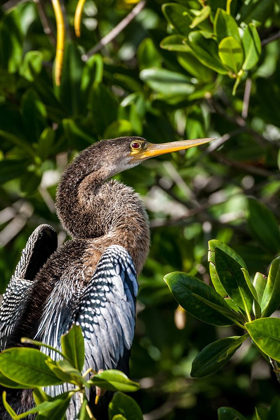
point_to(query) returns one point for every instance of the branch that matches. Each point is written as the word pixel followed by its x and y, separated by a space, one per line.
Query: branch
pixel 46 23
pixel 116 31
pixel 275 367
pixel 246 99
pixel 240 122
pixel 271 39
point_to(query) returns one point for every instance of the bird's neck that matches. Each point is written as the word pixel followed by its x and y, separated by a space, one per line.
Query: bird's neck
pixel 108 212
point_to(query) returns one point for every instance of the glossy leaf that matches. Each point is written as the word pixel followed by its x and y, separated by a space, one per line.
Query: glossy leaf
pixel 178 17
pixel 258 10
pixel 206 51
pixel 263 225
pixel 265 332
pixel 201 16
pixel 147 54
pixel 34 115
pixel 45 143
pixel 72 344
pixel 27 366
pixel 175 43
pixel 104 107
pixel 92 73
pixel 8 407
pixel 231 54
pixel 256 305
pixel 232 279
pixel 114 380
pixel 10 169
pixel 31 65
pixel 227 413
pixel 6 382
pixel 215 355
pixel 118 129
pixel 11 41
pixel 252 46
pixel 167 82
pixel 190 63
pixel 271 295
pixel 225 26
pixel 69 91
pixel 126 406
pixel 260 284
pixel 212 246
pixel 183 288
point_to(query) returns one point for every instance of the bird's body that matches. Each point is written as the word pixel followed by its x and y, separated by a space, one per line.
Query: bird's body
pixel 90 280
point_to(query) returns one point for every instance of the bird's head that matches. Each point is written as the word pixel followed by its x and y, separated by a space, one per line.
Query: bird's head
pixel 126 152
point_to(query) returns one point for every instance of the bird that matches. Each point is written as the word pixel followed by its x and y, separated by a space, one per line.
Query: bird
pixel 90 280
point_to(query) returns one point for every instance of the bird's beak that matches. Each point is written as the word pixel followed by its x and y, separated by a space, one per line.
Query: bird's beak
pixel 152 150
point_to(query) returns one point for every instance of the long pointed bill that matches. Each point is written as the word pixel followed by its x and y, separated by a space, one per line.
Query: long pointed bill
pixel 153 150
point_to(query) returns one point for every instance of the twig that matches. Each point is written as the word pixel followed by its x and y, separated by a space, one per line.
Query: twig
pixel 215 144
pixel 246 99
pixel 276 370
pixel 116 31
pixel 271 39
pixel 17 224
pixel 240 122
pixel 47 26
pixel 12 3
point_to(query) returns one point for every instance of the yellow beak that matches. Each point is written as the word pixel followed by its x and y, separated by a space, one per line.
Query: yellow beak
pixel 153 150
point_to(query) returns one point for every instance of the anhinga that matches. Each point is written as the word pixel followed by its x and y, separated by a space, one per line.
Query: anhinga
pixel 92 279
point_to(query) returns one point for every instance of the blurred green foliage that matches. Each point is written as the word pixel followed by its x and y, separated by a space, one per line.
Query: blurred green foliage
pixel 168 75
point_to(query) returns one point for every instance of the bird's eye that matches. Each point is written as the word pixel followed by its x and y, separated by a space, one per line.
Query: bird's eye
pixel 135 145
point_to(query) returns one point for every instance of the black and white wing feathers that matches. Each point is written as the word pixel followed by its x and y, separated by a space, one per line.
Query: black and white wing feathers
pixel 40 245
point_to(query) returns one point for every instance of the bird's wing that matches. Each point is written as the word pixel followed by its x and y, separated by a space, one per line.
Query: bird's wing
pixel 40 245
pixel 105 310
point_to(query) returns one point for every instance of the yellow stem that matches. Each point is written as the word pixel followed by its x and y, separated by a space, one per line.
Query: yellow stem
pixel 88 371
pixel 78 17
pixel 60 28
pixel 91 416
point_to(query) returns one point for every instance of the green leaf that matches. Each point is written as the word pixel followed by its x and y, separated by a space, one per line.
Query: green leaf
pixel 92 73
pixel 258 10
pixel 118 129
pixel 69 90
pixel 114 380
pixel 83 415
pixel 72 344
pixel 260 284
pixel 265 333
pixel 147 54
pixel 256 305
pixel 8 407
pixel 77 136
pixel 183 288
pixel 17 141
pixel 215 355
pixel 31 65
pixel 206 51
pixel 53 409
pixel 225 26
pixel 10 169
pixel 30 179
pixel 104 107
pixel 27 366
pixel 212 246
pixel 231 54
pixel 232 279
pixel 167 82
pixel 66 372
pixel 178 17
pixel 271 295
pixel 119 417
pixel 227 413
pixel 252 47
pixel 190 63
pixel 6 382
pixel 274 412
pixel 34 115
pixel 175 43
pixel 40 396
pixel 263 225
pixel 11 41
pixel 126 406
pixel 45 143
pixel 201 16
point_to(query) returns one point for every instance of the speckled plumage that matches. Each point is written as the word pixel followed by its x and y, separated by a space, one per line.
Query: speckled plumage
pixel 97 214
